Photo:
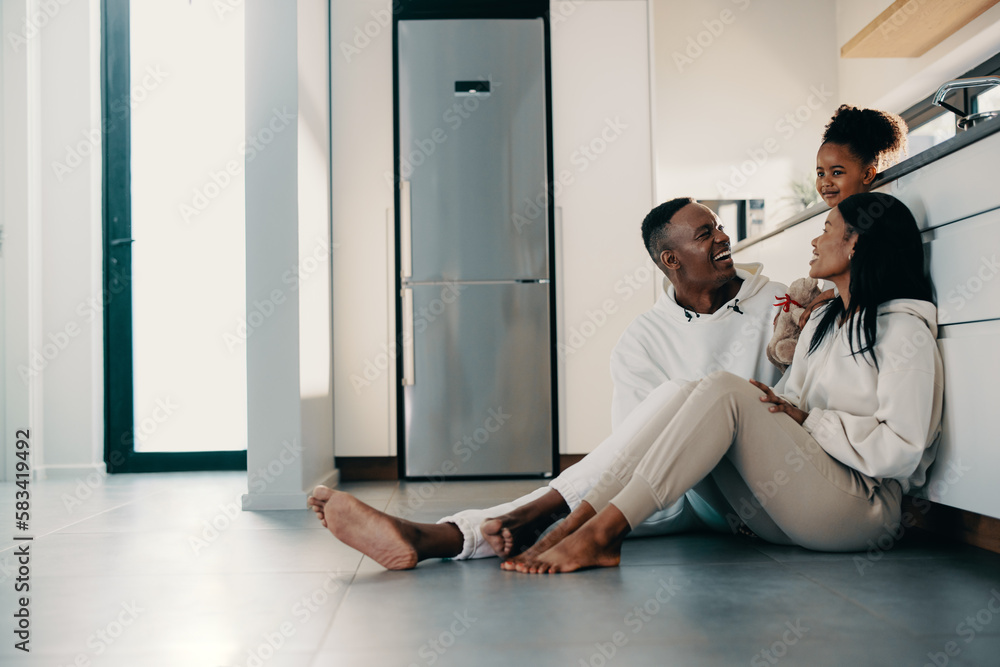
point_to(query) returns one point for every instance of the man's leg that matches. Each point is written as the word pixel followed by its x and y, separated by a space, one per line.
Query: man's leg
pixel 508 529
pixel 394 543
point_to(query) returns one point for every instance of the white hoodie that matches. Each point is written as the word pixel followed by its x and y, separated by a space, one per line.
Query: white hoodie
pixel 668 342
pixel 883 423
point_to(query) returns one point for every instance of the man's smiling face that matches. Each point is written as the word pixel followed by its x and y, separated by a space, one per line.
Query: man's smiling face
pixel 698 250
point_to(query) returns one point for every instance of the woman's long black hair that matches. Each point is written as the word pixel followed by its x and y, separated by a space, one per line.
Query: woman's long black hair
pixel 888 263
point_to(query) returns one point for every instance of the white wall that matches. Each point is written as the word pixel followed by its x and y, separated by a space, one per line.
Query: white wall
pixel 723 101
pixel 601 139
pixel 898 83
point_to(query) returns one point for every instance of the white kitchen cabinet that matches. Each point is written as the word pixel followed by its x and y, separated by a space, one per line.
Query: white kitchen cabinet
pixel 602 155
pixel 964 473
pixel 361 207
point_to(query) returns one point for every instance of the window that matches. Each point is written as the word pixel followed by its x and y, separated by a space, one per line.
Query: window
pixel 930 124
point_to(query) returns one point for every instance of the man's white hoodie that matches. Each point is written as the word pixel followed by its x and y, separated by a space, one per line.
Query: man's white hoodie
pixel 883 423
pixel 668 342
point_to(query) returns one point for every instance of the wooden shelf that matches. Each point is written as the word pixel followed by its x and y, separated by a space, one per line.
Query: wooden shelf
pixel 910 28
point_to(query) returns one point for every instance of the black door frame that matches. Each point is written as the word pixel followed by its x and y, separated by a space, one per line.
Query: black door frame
pixel 119 450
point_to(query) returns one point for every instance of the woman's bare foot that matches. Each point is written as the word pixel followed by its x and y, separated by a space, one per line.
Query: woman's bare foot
pixel 393 543
pixel 529 558
pixel 511 533
pixel 598 543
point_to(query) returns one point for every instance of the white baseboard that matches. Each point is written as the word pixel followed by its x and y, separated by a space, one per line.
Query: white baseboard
pixel 286 501
pixel 70 470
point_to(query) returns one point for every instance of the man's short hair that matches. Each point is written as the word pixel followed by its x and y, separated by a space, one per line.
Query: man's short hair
pixel 654 226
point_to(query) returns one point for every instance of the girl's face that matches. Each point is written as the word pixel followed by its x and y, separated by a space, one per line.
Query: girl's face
pixel 839 174
pixel 832 250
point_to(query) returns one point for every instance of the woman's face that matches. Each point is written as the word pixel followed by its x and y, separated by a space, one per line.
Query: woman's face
pixel 839 174
pixel 832 250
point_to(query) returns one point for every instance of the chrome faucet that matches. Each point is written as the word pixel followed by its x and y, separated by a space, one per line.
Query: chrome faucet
pixel 964 119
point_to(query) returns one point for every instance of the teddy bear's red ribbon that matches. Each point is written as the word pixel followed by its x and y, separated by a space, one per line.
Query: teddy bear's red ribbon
pixel 786 302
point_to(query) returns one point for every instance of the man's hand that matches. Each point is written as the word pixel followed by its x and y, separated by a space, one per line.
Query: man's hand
pixel 780 404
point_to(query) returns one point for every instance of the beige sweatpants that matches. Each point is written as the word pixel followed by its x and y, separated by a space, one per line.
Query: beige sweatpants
pixel 771 472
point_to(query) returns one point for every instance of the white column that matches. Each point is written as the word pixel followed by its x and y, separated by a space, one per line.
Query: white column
pixel 21 261
pixel 277 475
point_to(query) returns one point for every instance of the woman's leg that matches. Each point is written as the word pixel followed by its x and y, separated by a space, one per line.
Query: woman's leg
pixel 813 499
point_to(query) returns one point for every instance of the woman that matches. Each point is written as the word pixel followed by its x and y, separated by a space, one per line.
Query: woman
pixel 824 465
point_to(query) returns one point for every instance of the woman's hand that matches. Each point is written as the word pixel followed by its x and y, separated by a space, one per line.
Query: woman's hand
pixel 780 404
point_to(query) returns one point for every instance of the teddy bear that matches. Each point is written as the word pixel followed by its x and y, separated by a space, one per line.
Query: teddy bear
pixel 787 324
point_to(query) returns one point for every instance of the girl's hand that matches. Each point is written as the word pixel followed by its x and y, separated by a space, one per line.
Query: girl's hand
pixel 780 404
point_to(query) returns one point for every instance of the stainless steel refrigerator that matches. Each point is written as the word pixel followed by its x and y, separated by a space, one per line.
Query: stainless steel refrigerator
pixel 474 253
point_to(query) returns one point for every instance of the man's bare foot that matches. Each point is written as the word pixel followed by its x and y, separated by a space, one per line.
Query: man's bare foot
pixel 598 543
pixel 317 501
pixel 575 520
pixel 511 533
pixel 393 543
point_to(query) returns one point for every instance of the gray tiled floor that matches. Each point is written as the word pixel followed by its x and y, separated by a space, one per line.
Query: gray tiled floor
pixel 161 570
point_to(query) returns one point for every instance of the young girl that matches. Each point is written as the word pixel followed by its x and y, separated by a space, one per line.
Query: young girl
pixel 823 466
pixel 858 144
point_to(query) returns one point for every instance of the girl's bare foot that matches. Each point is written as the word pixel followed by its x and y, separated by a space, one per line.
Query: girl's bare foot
pixel 511 533
pixel 598 543
pixel 393 543
pixel 529 558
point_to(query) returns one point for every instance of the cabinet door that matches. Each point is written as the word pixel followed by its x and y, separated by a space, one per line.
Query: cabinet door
pixel 964 473
pixel 604 188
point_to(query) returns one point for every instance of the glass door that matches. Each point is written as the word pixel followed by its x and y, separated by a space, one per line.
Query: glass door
pixel 175 315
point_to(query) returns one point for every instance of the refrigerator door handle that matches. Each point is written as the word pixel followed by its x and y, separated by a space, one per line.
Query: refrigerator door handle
pixel 405 232
pixel 409 375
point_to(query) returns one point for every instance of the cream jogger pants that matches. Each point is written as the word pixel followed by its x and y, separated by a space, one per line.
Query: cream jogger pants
pixel 774 475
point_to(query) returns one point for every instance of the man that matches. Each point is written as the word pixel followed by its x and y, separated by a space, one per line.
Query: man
pixel 711 315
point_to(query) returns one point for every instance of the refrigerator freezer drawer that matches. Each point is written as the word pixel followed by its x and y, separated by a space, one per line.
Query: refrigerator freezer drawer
pixel 481 401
